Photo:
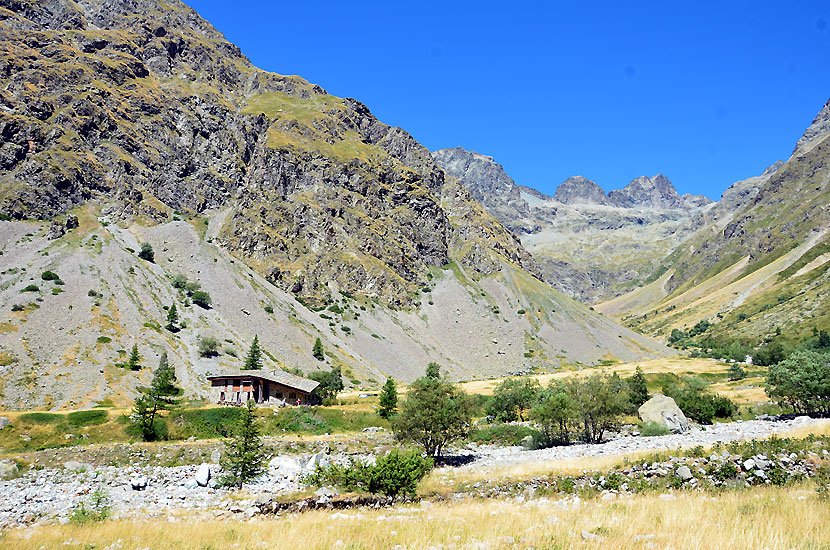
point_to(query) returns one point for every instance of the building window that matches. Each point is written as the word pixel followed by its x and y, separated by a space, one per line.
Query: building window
pixel 292 395
pixel 222 396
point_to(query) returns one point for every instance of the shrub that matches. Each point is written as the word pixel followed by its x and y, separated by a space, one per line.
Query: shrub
pixel 98 508
pixel 696 402
pixel 93 294
pixel 146 253
pixel 30 288
pixel 87 418
pixel 736 372
pixel 512 398
pixel 202 299
pixel 49 276
pixel 17 307
pixel 179 281
pixel 208 346
pixel 40 418
pixel 269 309
pixel 504 434
pixel 396 473
pixel 650 429
pixel 103 339
pixel 56 291
pixel 207 423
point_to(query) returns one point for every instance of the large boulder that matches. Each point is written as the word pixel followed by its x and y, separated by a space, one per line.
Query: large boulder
pixel 8 469
pixel 203 475
pixel 664 411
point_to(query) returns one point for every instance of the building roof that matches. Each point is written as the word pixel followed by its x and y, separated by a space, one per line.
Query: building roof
pixel 277 376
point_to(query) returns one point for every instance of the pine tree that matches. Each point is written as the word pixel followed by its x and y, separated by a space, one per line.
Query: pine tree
pixel 134 361
pixel 318 352
pixel 172 318
pixel 245 456
pixel 433 370
pixel 254 359
pixel 160 396
pixel 388 401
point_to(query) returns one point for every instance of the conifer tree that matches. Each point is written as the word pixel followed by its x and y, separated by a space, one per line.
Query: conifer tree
pixel 254 359
pixel 134 361
pixel 318 352
pixel 172 318
pixel 388 401
pixel 245 456
pixel 160 396
pixel 433 370
pixel 637 389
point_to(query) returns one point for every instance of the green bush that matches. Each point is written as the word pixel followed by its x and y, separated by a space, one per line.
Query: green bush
pixel 396 473
pixel 206 423
pixel 17 307
pixel 103 339
pixel 503 434
pixel 650 429
pixel 146 253
pixel 802 381
pixel 49 276
pixel 87 418
pixel 30 288
pixel 202 299
pixel 40 418
pixel 208 346
pixel 98 508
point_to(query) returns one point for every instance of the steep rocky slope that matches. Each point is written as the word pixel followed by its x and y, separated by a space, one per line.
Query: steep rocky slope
pixel 589 245
pixel 760 262
pixel 299 212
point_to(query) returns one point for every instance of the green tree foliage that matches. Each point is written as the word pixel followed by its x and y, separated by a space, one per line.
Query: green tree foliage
pixel 692 396
pixel 245 455
pixel 823 339
pixel 434 414
pixel 172 318
pixel 146 253
pixel 49 276
pixel 160 396
pixel 201 299
pixel 802 381
pixel 179 281
pixel 208 346
pixel 331 382
pixel 254 359
pixel 388 400
pixel 134 360
pixel 395 473
pixel 554 413
pixel 599 402
pixel 637 388
pixel 433 370
pixel 512 398
pixel 318 351
pixel 676 335
pixel 736 372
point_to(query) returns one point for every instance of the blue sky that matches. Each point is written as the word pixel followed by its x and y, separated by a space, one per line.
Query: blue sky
pixel 705 92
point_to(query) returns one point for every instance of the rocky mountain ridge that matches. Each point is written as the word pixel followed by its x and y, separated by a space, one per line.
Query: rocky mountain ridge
pixel 589 245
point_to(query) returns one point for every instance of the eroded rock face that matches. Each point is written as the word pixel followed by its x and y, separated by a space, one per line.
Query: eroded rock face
pixel 663 410
pixel 148 110
pixel 580 190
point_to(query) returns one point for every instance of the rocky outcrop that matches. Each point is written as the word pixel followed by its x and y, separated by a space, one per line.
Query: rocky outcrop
pixel 487 182
pixel 656 192
pixel 815 132
pixel 580 190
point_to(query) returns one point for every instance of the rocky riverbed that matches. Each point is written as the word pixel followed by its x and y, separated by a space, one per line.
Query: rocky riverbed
pixel 147 490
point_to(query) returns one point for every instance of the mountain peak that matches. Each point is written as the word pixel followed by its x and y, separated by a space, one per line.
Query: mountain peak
pixel 580 190
pixel 655 192
pixel 817 130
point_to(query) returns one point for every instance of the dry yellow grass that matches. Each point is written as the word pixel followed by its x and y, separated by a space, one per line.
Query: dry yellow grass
pixel 680 365
pixel 771 518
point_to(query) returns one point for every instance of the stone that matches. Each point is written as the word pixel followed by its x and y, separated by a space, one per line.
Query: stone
pixel 587 535
pixel 663 410
pixel 8 469
pixel 528 442
pixel 285 465
pixel 749 464
pixel 71 221
pixel 215 456
pixel 4 421
pixel 326 492
pixel 762 464
pixel 138 483
pixel 263 499
pixel 203 475
pixel 76 466
pixel 684 473
pixel 55 231
pixel 191 484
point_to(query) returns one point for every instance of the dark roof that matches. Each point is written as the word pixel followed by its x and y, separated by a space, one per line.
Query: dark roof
pixel 277 376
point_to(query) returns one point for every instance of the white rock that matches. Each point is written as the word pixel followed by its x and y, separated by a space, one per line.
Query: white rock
pixel 203 475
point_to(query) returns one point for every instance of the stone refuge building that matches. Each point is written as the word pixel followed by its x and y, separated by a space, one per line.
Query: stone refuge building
pixel 270 388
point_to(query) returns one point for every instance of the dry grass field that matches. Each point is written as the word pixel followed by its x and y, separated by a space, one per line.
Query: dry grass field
pixel 764 518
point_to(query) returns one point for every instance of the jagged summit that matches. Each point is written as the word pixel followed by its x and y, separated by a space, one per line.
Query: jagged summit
pixel 815 132
pixel 580 190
